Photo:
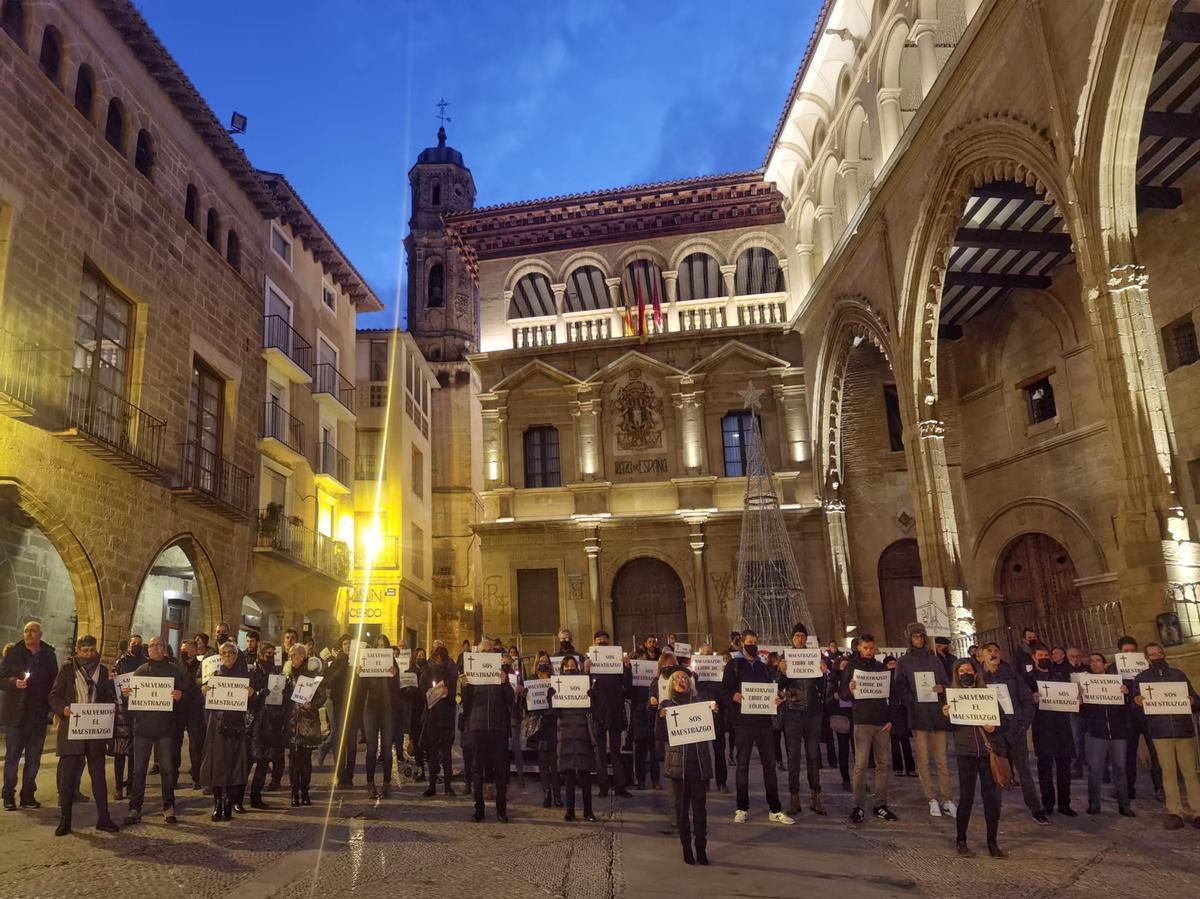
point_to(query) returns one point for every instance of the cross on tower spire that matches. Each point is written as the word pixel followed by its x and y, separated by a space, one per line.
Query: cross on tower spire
pixel 441 105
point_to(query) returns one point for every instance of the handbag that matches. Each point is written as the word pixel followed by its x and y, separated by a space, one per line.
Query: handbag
pixel 839 724
pixel 531 726
pixel 1002 772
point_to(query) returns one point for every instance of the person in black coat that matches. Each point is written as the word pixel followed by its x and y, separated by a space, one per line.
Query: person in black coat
pixel 973 746
pixel 871 732
pixel 302 724
pixel 437 688
pixel 1052 739
pixel 541 733
pixel 903 763
pixel 81 680
pixel 576 752
pixel 641 722
pixel 689 768
pixel 802 714
pixel 27 673
pixel 133 656
pixel 265 734
pixel 378 695
pixel 154 731
pixel 1106 728
pixel 225 764
pixel 1012 736
pixel 1137 732
pixel 488 723
pixel 608 721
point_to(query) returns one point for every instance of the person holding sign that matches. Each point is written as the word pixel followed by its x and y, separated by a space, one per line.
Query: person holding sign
pixel 1127 647
pixel 872 728
pixel 224 766
pixel 1052 739
pixel 576 752
pixel 973 750
pixel 27 673
pixel 641 721
pixel 81 681
pixel 803 713
pixel 1012 736
pixel 121 745
pixel 540 730
pixel 487 707
pixel 153 731
pixel 1173 733
pixel 380 693
pixel 302 731
pixel 752 731
pixel 264 737
pixel 921 682
pixel 437 689
pixel 714 691
pixel 1106 730
pixel 689 767
pixel 608 719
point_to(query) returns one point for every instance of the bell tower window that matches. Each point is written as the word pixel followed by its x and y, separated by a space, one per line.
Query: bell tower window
pixel 435 296
pixel 435 198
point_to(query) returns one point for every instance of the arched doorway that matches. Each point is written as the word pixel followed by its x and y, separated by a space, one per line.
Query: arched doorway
pixel 899 572
pixel 170 603
pixel 1036 578
pixel 647 597
pixel 263 614
pixel 323 627
pixel 35 584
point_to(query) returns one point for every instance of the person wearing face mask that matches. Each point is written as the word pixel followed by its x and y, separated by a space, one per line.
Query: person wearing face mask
pixel 490 706
pixel 1174 737
pixel 641 721
pixel 1012 735
pixel 608 721
pixel 565 646
pixel 1107 729
pixel 802 713
pixel 541 733
pixel 714 691
pixel 265 737
pixel 872 734
pixel 752 731
pixel 1074 663
pixel 689 769
pixel 1052 740
pixel 925 719
pixel 129 661
pixel 1137 732
pixel 436 689
pixel 972 748
pixel 408 712
pixel 576 752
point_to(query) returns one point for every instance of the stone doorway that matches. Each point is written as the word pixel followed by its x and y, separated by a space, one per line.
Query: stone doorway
pixel 899 572
pixel 647 598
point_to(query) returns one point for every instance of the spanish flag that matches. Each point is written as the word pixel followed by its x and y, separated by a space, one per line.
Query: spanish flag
pixel 627 296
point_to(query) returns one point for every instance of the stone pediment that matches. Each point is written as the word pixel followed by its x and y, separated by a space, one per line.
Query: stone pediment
pixel 536 375
pixel 733 352
pixel 630 360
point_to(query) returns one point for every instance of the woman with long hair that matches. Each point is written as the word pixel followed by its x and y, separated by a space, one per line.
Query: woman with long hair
pixel 303 729
pixel 972 749
pixel 224 766
pixel 689 768
pixel 437 688
pixel 541 732
pixel 576 751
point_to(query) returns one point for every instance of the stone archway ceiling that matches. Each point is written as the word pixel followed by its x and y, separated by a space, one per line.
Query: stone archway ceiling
pixel 532 296
pixel 1008 237
pixel 1170 144
pixel 586 290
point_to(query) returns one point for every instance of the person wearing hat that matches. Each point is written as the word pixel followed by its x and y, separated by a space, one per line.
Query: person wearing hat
pixel 941 646
pixel 608 721
pixel 925 719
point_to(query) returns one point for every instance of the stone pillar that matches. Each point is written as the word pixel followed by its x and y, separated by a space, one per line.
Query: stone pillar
pixel 841 609
pixel 937 529
pixel 689 411
pixel 495 440
pixel 922 34
pixel 891 122
pixel 848 172
pixel 825 238
pixel 1156 541
pixel 671 285
pixel 591 546
pixel 703 621
pixel 586 411
pixel 804 270
pixel 617 302
pixel 795 441
pixel 560 324
pixel 783 270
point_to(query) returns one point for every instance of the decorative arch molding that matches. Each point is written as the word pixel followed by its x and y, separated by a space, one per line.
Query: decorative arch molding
pixel 584 257
pixel 527 267
pixel 641 251
pixel 89 606
pixel 758 239
pixel 1046 304
pixel 1038 514
pixel 697 245
pixel 993 148
pixel 853 320
pixel 206 577
pixel 614 563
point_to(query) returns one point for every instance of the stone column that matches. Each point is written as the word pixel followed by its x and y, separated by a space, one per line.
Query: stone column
pixel 689 410
pixel 795 442
pixel 937 529
pixel 699 576
pixel 848 172
pixel 825 238
pixel 804 270
pixel 585 409
pixel 616 301
pixel 560 324
pixel 591 546
pixel 841 609
pixel 671 285
pixel 495 440
pixel 922 34
pixel 727 275
pixel 891 121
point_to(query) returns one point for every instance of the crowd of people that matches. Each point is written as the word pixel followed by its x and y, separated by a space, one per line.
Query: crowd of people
pixel 300 703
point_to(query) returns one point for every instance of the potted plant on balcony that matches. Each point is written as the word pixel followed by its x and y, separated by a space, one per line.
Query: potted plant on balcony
pixel 268 524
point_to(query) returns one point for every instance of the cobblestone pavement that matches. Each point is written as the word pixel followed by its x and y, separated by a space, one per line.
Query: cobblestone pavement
pixel 349 846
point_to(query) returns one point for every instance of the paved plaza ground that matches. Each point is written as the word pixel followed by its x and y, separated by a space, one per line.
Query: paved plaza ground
pixel 350 846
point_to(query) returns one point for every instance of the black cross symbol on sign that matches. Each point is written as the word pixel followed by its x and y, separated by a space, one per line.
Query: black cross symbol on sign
pixel 1149 691
pixel 134 689
pixel 675 717
pixel 75 716
pixel 558 685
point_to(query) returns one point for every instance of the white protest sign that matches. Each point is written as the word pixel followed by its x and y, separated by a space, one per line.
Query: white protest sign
pixel 151 694
pixel 882 652
pixel 872 684
pixel 407 679
pixel 356 648
pixel 1004 698
pixel 556 663
pixel 571 691
pixel 1102 689
pixel 536 694
pixel 759 699
pixel 275 683
pixel 92 721
pixel 1165 698
pixel 376 662
pixel 305 689
pixel 683 650
pixel 709 669
pixel 644 672
pixel 978 707
pixel 607 660
pixel 209 666
pixel 932 610
pixel 802 663
pixel 1131 664
pixel 812 642
pixel 403 659
pixel 119 682
pixel 227 694
pixel 691 723
pixel 664 689
pixel 1057 696
pixel 483 668
pixel 924 683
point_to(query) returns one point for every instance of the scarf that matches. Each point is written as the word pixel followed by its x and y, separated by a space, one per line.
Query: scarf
pixel 85 681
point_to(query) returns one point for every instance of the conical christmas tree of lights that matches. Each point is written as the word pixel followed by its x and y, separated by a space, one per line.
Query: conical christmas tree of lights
pixel 770 595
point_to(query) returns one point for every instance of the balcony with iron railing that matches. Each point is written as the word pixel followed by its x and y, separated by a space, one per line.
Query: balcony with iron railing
pixel 291 540
pixel 590 325
pixel 287 350
pixel 212 481
pixel 332 391
pixel 333 469
pixel 282 435
pixel 384 556
pixel 19 369
pixel 1096 627
pixel 104 424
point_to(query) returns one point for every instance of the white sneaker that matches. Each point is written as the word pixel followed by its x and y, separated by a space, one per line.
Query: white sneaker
pixel 935 811
pixel 740 817
pixel 950 808
pixel 780 818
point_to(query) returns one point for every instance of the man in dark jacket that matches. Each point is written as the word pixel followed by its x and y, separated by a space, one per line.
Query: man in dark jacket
pixel 608 721
pixel 752 731
pixel 641 721
pixel 1174 736
pixel 1137 731
pixel 917 666
pixel 1106 728
pixel 488 724
pixel 155 732
pixel 81 680
pixel 1052 739
pixel 189 715
pixel 802 715
pixel 26 675
pixel 1013 733
pixel 872 733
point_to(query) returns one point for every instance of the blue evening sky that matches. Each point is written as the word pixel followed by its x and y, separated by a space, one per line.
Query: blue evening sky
pixel 547 96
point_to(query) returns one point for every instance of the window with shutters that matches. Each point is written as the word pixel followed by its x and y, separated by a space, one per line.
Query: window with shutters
pixel 541 458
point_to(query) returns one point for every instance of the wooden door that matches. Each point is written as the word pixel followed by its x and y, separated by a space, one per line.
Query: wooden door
pixel 899 572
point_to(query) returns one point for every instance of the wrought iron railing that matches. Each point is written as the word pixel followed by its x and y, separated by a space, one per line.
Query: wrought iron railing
pixel 19 369
pixel 1092 627
pixel 302 544
pixel 97 413
pixel 278 334
pixel 331 462
pixel 214 477
pixel 1185 603
pixel 327 379
pixel 281 425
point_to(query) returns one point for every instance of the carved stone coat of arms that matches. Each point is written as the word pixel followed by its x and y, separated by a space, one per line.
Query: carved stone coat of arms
pixel 638 415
